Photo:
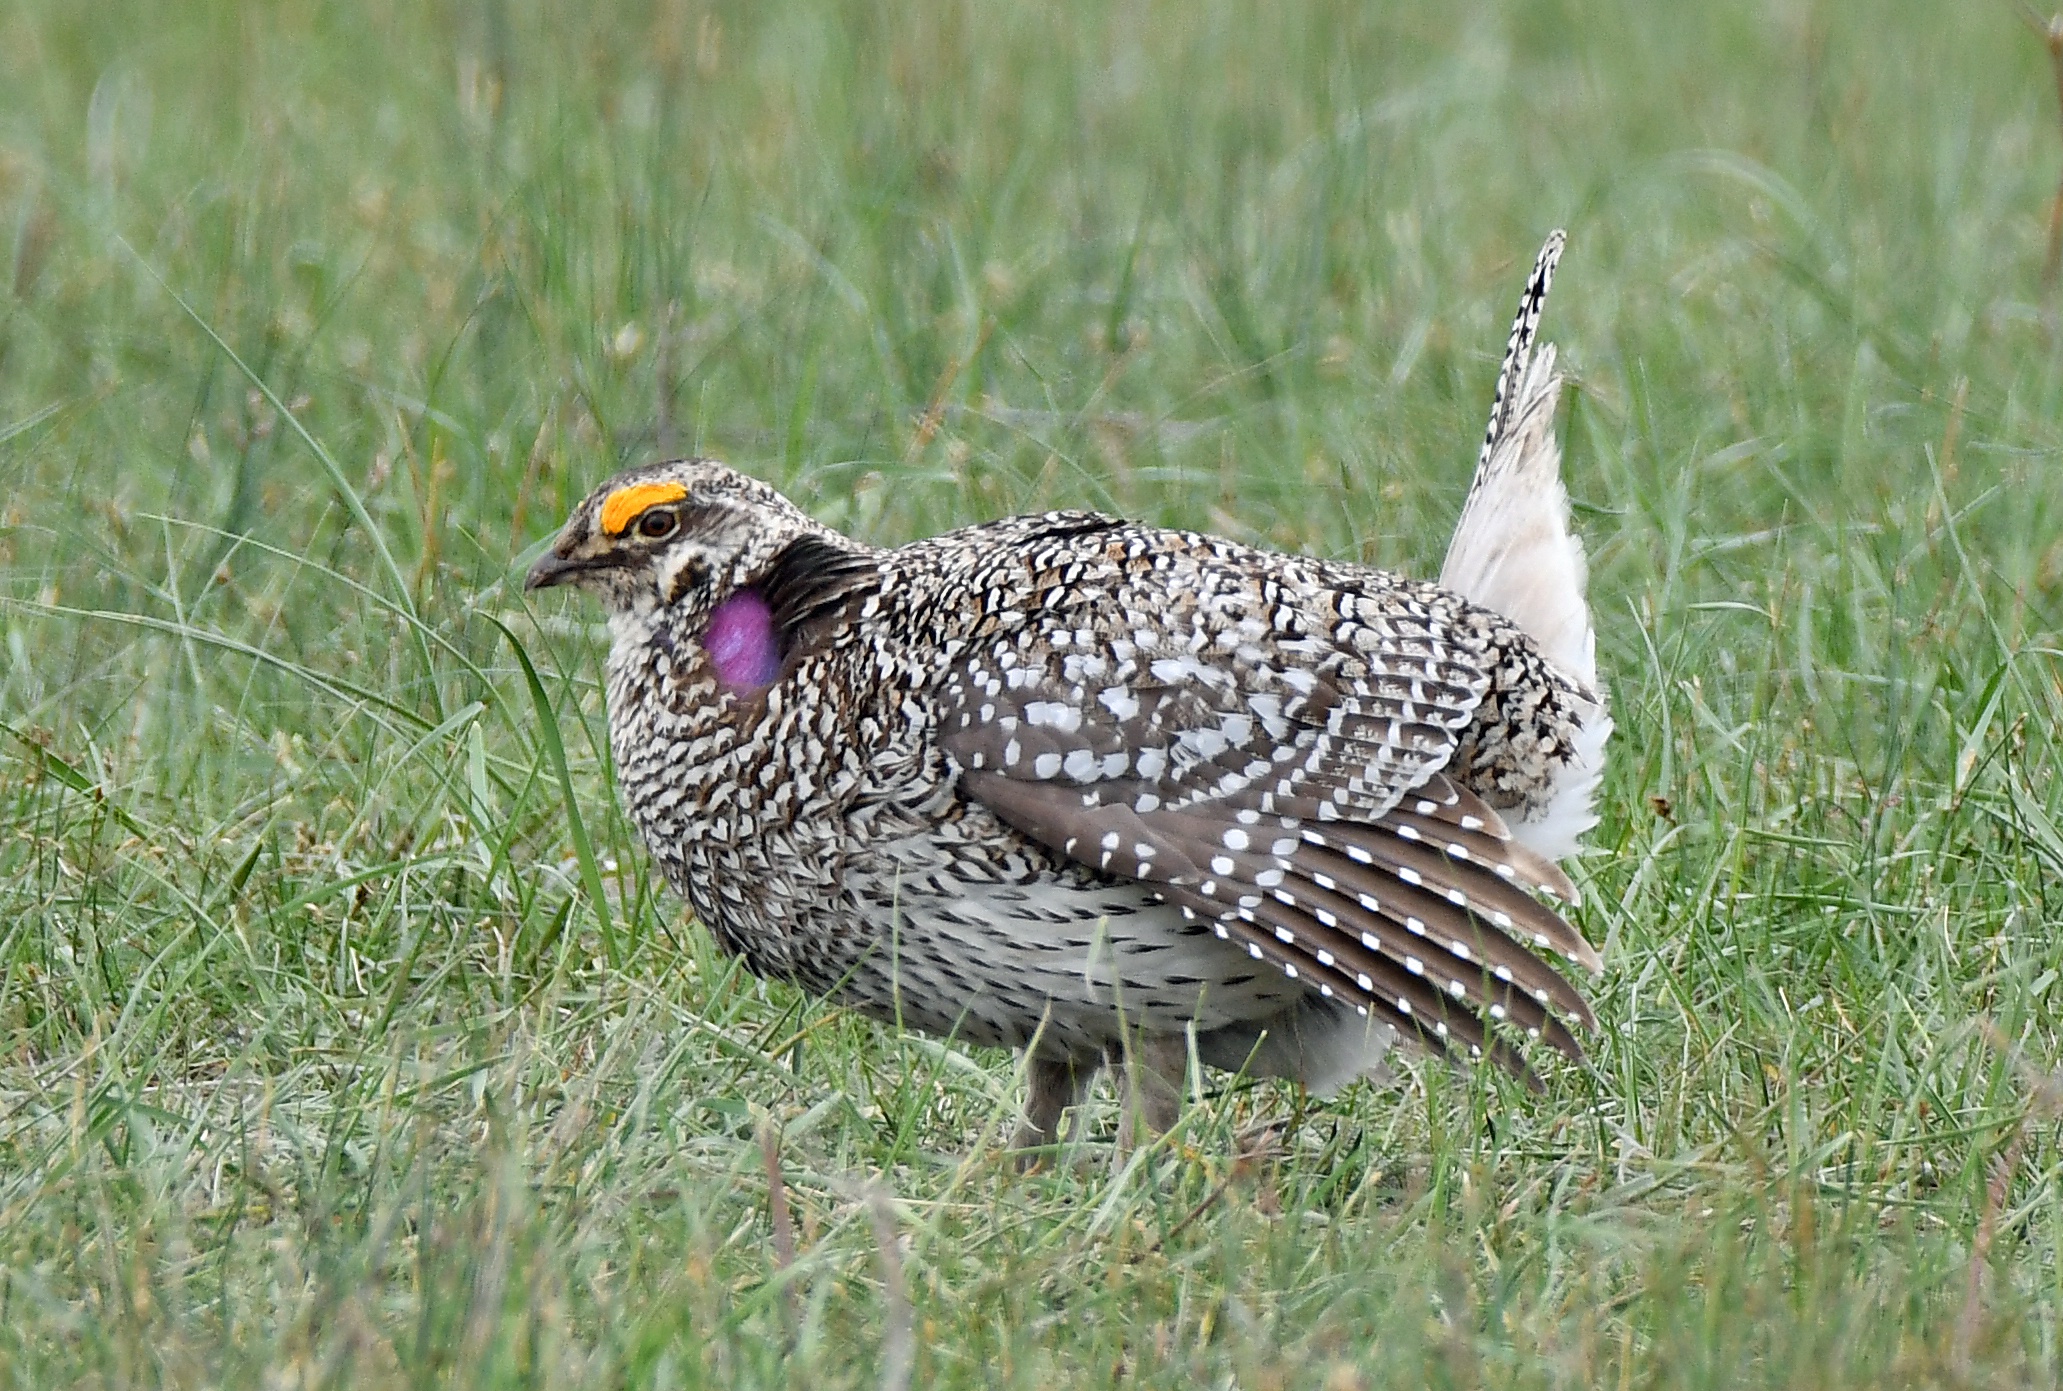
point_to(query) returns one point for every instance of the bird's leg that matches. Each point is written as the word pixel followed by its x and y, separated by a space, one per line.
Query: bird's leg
pixel 1054 1087
pixel 1156 1067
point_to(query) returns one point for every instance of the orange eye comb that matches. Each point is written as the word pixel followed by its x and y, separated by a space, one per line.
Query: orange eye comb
pixel 622 507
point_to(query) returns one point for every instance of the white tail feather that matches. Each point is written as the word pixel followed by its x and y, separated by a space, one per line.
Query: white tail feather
pixel 1512 550
pixel 1557 831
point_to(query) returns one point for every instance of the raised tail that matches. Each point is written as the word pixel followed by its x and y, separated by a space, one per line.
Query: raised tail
pixel 1512 550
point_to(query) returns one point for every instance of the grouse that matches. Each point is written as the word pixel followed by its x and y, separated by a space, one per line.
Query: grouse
pixel 1114 793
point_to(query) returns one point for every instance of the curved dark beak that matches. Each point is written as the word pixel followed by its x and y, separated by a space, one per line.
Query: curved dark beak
pixel 551 569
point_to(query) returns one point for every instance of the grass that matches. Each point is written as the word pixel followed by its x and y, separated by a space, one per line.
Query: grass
pixel 336 1049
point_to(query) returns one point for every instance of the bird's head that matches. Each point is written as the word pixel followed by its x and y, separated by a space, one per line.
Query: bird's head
pixel 670 534
pixel 672 543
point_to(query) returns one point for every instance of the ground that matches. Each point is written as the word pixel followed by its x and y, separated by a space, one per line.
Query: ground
pixel 344 1038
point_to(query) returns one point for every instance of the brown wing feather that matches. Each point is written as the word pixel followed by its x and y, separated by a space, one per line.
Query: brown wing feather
pixel 1426 956
pixel 1269 756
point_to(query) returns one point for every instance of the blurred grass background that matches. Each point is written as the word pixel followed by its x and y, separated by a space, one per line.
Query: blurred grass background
pixel 321 1065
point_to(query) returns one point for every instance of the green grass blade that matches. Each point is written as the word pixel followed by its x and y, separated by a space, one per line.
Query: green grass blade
pixel 555 749
pixel 330 466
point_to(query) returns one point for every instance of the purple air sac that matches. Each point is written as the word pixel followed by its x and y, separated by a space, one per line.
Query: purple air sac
pixel 742 644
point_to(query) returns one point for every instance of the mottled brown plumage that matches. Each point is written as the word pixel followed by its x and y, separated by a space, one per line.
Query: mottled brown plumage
pixel 1096 788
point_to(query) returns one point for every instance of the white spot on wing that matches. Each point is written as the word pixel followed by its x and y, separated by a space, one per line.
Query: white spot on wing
pixel 1054 714
pixel 1120 702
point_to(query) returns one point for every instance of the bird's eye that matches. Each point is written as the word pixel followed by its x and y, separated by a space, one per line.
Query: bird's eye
pixel 659 523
